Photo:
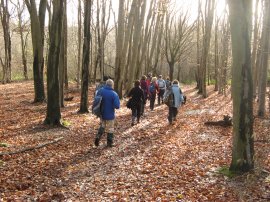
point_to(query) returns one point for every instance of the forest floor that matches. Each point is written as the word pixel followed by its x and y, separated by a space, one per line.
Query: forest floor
pixel 151 161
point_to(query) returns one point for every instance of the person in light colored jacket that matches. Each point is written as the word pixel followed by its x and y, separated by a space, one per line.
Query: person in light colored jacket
pixel 162 87
pixel 177 101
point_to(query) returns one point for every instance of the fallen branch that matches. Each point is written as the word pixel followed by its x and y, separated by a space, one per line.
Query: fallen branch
pixel 32 148
pixel 68 98
pixel 227 121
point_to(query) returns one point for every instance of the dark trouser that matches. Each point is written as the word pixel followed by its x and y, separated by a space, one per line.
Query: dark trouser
pixel 173 111
pixel 152 100
pixel 136 112
pixel 160 95
pixel 142 108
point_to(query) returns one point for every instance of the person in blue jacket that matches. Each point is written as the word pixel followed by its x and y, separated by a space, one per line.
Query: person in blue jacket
pixel 110 102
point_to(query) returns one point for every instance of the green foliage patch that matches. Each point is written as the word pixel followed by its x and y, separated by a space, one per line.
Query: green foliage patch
pixel 3 144
pixel 224 170
pixel 65 123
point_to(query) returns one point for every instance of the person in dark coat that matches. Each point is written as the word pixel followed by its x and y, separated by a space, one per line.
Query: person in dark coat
pixel 137 99
pixel 144 87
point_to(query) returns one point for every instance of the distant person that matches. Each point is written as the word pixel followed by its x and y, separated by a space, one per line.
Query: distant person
pixel 168 82
pixel 137 99
pixel 149 79
pixel 101 84
pixel 110 102
pixel 153 90
pixel 176 101
pixel 144 87
pixel 162 87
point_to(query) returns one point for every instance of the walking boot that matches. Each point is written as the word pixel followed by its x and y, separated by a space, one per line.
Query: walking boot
pixel 110 139
pixel 133 120
pixel 98 136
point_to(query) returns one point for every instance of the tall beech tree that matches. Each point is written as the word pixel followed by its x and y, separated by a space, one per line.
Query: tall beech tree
pixel 209 14
pixel 242 90
pixel 119 59
pixel 178 35
pixel 63 54
pixel 264 58
pixel 255 48
pixel 78 77
pixel 37 30
pixel 86 55
pixel 53 105
pixel 20 8
pixel 6 64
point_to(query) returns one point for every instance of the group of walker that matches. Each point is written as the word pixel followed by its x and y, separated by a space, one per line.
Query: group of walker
pixel 148 88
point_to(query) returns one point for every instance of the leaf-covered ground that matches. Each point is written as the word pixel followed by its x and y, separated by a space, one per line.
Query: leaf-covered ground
pixel 151 161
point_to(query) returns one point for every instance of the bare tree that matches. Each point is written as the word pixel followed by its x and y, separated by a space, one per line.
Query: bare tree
pixel 86 54
pixel 5 16
pixel 138 24
pixel 224 55
pixel 121 70
pixel 62 55
pixel 209 12
pixel 243 140
pixel 254 48
pixel 20 7
pixel 53 115
pixel 37 31
pixel 119 58
pixel 102 24
pixel 79 42
pixel 178 35
pixel 264 58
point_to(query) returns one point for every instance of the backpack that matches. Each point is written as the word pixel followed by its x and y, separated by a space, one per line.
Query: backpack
pixel 168 97
pixel 97 106
pixel 168 83
pixel 152 88
pixel 98 87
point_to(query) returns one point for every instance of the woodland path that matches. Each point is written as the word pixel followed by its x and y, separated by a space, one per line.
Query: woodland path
pixel 151 161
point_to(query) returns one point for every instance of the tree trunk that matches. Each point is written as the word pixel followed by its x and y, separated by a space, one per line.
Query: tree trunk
pixel 254 50
pixel 216 56
pixel 265 53
pixel 206 44
pixel 243 143
pixel 65 30
pixel 197 73
pixel 37 31
pixel 224 56
pixel 62 59
pixel 20 10
pixel 139 15
pixel 119 59
pixel 5 16
pixel 86 53
pixel 79 42
pixel 53 107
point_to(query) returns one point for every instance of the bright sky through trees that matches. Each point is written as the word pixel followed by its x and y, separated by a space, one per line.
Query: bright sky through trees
pixel 182 5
